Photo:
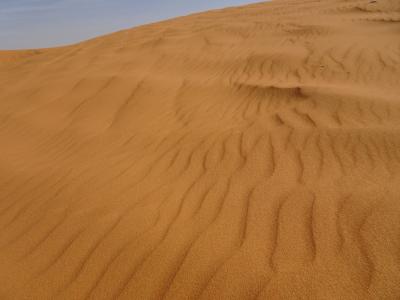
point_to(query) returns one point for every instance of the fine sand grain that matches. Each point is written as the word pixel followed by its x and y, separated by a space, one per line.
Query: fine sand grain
pixel 242 153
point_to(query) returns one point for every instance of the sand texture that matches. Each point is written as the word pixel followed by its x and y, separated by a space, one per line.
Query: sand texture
pixel 242 153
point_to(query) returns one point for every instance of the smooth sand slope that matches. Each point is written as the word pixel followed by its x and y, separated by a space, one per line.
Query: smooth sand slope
pixel 244 153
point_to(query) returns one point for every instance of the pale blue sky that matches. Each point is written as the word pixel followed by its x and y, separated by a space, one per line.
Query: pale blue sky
pixel 46 23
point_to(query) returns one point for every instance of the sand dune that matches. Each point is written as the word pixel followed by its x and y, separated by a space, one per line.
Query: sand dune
pixel 242 153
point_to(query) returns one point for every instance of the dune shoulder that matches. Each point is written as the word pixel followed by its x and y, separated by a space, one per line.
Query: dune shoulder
pixel 245 153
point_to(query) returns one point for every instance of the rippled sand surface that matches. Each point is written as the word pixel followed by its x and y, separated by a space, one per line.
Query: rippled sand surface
pixel 243 153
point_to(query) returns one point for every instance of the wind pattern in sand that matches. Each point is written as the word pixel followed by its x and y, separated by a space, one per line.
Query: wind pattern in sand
pixel 242 153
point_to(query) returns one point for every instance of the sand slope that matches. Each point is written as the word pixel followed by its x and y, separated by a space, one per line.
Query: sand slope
pixel 244 153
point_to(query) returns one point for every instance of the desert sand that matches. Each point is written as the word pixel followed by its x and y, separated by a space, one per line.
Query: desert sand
pixel 244 153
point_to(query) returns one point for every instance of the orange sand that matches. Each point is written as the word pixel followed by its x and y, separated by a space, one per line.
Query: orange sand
pixel 243 153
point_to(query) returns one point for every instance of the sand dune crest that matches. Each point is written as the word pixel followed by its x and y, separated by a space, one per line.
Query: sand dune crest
pixel 243 153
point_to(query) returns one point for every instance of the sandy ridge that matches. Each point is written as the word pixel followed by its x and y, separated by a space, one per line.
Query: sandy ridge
pixel 242 153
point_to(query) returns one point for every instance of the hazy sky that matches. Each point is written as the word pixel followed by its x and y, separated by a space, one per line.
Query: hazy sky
pixel 45 23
